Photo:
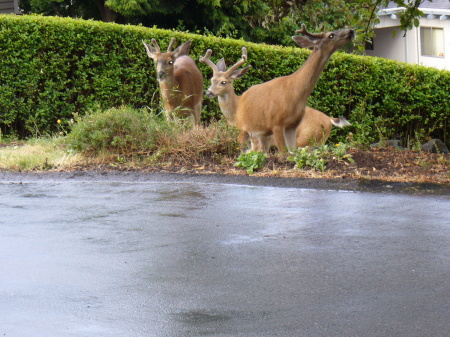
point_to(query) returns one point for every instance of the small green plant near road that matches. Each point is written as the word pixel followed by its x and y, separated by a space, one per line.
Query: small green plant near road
pixel 340 152
pixel 317 158
pixel 305 157
pixel 251 161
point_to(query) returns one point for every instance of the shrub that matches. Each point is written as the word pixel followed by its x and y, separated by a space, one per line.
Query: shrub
pixel 121 130
pixel 132 134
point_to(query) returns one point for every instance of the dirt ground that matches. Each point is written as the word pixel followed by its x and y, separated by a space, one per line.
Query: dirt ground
pixel 385 164
pixel 386 168
pixel 371 169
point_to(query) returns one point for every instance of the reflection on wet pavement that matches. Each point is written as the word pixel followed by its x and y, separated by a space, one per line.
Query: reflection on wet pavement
pixel 179 259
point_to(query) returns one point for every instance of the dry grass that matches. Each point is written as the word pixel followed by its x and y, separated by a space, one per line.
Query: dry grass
pixel 213 149
pixel 193 146
pixel 41 154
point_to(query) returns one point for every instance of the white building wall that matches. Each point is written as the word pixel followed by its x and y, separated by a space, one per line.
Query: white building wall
pixel 9 6
pixel 387 46
pixel 408 48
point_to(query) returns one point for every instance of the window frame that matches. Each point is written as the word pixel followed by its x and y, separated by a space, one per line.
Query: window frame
pixel 433 42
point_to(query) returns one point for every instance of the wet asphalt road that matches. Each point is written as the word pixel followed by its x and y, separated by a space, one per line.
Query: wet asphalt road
pixel 93 257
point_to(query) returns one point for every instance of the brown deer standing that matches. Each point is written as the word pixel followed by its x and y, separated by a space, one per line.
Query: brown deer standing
pixel 222 83
pixel 180 81
pixel 314 128
pixel 276 107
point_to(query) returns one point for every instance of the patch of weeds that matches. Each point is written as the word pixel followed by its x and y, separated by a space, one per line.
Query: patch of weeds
pixel 251 161
pixel 304 157
pixel 340 152
pixel 317 158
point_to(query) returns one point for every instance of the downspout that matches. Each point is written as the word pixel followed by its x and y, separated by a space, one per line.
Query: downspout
pixel 419 50
pixel 406 48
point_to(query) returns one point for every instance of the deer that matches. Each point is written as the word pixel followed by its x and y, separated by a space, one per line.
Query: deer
pixel 222 83
pixel 276 108
pixel 314 128
pixel 180 81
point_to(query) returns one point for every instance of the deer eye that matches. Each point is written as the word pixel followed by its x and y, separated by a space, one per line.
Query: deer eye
pixel 331 36
pixel 223 82
pixel 170 62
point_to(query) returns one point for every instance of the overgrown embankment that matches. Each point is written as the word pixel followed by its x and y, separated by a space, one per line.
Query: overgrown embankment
pixel 51 68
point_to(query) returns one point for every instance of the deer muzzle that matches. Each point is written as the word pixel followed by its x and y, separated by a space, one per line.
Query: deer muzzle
pixel 351 34
pixel 209 94
pixel 161 75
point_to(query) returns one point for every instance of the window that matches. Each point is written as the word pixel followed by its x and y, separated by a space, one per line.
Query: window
pixel 432 41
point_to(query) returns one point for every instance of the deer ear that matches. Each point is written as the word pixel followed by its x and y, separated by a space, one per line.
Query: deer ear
pixel 221 65
pixel 151 51
pixel 239 73
pixel 304 41
pixel 182 50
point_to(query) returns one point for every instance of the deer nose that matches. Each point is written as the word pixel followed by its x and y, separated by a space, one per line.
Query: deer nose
pixel 209 94
pixel 351 34
pixel 161 75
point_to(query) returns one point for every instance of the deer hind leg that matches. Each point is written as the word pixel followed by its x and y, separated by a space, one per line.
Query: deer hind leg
pixel 278 136
pixel 290 136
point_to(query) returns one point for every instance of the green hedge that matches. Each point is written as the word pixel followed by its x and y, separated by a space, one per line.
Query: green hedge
pixel 51 68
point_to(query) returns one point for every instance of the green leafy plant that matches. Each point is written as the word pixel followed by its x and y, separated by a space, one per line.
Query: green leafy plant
pixel 340 152
pixel 318 157
pixel 251 161
pixel 305 157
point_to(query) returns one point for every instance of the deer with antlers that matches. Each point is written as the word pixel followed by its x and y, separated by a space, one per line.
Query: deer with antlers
pixel 180 81
pixel 222 83
pixel 314 128
pixel 277 107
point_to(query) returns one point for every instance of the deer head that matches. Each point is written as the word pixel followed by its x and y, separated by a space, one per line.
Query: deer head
pixel 165 62
pixel 222 79
pixel 328 42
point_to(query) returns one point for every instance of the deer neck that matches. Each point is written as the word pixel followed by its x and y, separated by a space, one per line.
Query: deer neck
pixel 228 104
pixel 168 83
pixel 170 91
pixel 305 79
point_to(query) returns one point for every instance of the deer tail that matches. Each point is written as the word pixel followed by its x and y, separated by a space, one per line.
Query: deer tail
pixel 340 122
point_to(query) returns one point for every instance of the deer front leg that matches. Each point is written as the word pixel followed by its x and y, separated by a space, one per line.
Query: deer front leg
pixel 197 112
pixel 243 139
pixel 264 143
pixel 259 142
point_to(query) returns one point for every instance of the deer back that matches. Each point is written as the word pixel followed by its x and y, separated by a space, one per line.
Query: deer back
pixel 314 128
pixel 188 79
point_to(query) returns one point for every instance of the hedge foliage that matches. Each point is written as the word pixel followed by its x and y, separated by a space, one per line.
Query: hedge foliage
pixel 51 68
